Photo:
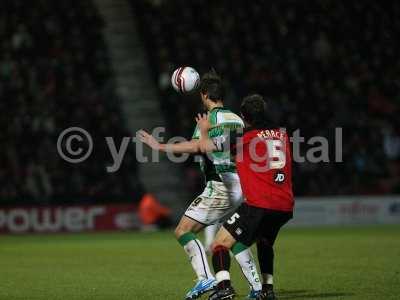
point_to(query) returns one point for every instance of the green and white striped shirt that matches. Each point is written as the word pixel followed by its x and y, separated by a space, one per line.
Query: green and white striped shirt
pixel 223 122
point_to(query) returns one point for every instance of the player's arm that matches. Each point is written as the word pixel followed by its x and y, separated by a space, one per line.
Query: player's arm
pixel 191 146
pixel 206 144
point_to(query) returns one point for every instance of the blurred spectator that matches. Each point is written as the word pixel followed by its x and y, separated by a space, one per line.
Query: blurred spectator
pixel 152 214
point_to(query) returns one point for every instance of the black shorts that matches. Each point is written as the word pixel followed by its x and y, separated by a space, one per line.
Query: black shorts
pixel 249 224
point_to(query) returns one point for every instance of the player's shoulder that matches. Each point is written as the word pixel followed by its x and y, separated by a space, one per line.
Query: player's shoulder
pixel 222 116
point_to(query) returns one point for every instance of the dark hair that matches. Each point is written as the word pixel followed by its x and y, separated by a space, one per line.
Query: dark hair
pixel 211 85
pixel 254 110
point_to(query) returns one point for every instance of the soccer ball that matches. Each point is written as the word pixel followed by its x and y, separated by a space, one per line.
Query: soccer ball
pixel 185 80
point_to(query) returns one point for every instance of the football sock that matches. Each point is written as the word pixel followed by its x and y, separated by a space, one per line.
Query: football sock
pixel 222 262
pixel 209 233
pixel 266 261
pixel 195 250
pixel 266 258
pixel 246 261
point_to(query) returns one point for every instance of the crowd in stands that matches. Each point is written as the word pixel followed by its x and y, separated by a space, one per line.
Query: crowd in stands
pixel 55 74
pixel 323 64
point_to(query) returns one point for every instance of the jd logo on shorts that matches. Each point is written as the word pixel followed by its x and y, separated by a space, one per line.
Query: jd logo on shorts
pixel 279 177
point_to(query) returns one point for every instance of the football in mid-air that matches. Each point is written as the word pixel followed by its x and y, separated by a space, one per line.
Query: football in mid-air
pixel 185 79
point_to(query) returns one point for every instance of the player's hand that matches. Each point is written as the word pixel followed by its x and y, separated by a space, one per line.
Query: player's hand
pixel 203 122
pixel 148 139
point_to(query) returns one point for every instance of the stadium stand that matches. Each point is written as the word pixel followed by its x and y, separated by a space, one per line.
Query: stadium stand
pixel 54 74
pixel 322 70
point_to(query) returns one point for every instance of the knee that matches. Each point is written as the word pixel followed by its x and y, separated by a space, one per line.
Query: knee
pixel 218 245
pixel 223 240
pixel 214 246
pixel 180 230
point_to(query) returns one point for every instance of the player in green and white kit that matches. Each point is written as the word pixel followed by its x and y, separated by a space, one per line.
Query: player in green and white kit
pixel 222 194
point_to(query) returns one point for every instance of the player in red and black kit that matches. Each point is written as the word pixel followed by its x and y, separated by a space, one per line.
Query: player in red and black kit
pixel 263 161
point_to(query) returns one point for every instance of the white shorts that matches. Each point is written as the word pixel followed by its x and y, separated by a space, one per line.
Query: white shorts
pixel 218 200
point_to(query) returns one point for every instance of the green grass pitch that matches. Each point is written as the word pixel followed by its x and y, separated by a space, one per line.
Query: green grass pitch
pixel 323 263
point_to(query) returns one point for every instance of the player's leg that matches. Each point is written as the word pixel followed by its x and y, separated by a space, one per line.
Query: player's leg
pixel 248 266
pixel 243 254
pixel 272 223
pixel 245 259
pixel 237 234
pixel 185 233
pixel 265 253
pixel 198 215
pixel 209 235
pixel 221 261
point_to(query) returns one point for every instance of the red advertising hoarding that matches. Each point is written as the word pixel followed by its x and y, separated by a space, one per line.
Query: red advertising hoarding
pixel 68 218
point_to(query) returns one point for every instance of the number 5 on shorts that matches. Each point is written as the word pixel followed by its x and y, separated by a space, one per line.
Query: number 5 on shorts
pixel 233 219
